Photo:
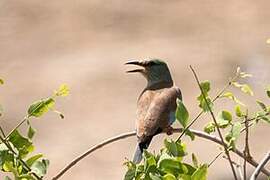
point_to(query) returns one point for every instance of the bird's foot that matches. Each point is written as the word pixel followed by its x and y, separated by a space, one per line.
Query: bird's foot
pixel 168 130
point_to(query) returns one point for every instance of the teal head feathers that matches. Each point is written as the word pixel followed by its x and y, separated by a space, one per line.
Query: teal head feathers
pixel 155 71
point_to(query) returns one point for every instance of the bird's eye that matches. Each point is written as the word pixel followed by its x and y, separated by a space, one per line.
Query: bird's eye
pixel 151 63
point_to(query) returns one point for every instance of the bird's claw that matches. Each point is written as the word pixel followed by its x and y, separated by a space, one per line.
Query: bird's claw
pixel 168 130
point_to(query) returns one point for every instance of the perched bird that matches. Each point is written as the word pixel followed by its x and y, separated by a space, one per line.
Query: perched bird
pixel 156 104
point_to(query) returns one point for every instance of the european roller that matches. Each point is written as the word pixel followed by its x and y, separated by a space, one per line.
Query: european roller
pixel 156 104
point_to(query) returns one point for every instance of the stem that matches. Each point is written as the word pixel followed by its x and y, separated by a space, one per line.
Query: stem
pixel 23 120
pixel 246 151
pixel 22 161
pixel 2 131
pixel 215 121
pixel 238 167
pixel 192 122
pixel 133 133
pixel 260 166
pixel 217 156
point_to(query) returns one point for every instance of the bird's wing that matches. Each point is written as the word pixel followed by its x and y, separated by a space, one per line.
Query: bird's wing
pixel 156 114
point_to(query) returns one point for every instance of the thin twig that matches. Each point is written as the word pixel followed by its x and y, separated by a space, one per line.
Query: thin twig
pixel 260 166
pixel 133 133
pixel 192 122
pixel 238 167
pixel 22 121
pixel 215 121
pixel 22 161
pixel 2 132
pixel 246 151
pixel 219 94
pixel 217 156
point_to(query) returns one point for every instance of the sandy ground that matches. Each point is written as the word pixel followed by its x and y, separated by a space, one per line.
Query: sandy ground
pixel 85 43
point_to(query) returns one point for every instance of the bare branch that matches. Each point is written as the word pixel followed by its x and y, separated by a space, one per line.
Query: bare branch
pixel 260 166
pixel 133 133
pixel 2 131
pixel 217 156
pixel 215 121
pixel 238 167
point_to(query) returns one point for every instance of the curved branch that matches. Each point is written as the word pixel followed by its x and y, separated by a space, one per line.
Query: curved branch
pixel 133 133
pixel 260 166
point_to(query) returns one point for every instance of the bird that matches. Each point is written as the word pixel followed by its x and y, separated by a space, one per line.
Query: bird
pixel 156 104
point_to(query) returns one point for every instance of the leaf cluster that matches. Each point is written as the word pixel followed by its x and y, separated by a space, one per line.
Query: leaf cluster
pixel 167 165
pixel 16 149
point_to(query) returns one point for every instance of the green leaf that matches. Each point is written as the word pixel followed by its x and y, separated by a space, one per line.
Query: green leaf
pixel 231 96
pixel 190 134
pixel 40 107
pixel 149 162
pixel 203 104
pixel 26 177
pixel 200 173
pixel 262 105
pixel 5 155
pixel 8 166
pixel 1 81
pixel 62 91
pixel 169 177
pixel 234 134
pixel 170 166
pixel 205 88
pixel 182 114
pixel 205 85
pixel 246 89
pixel 184 177
pixel 224 118
pixel 176 149
pixel 195 160
pixel 130 174
pixel 262 115
pixel 268 91
pixel 210 127
pixel 155 176
pixel 31 132
pixel 33 159
pixel 22 144
pixel 245 75
pixel 40 167
pixel 238 111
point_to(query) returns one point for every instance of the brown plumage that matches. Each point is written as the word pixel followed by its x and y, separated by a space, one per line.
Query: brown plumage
pixel 156 105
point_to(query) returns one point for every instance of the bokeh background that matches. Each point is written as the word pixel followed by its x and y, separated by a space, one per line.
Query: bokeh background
pixel 85 43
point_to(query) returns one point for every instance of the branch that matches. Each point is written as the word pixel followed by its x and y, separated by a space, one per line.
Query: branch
pixel 260 166
pixel 22 121
pixel 217 156
pixel 133 133
pixel 2 131
pixel 238 167
pixel 215 121
pixel 246 151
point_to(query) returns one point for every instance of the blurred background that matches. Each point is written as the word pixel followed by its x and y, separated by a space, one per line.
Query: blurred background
pixel 85 43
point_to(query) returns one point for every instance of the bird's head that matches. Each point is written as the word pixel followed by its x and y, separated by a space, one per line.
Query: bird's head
pixel 155 71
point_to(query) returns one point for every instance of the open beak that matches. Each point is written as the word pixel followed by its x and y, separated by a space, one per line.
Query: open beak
pixel 138 63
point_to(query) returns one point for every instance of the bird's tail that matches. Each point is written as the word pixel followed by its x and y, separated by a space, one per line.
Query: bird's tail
pixel 139 150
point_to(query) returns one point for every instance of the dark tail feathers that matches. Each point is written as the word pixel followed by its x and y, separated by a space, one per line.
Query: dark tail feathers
pixel 139 150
